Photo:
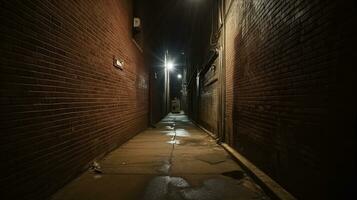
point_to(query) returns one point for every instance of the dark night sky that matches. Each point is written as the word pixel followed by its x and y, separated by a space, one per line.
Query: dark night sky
pixel 174 25
pixel 172 22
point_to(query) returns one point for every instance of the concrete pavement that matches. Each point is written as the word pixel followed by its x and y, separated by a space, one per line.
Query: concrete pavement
pixel 176 160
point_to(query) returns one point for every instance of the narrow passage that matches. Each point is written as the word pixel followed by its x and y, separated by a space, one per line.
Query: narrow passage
pixel 176 160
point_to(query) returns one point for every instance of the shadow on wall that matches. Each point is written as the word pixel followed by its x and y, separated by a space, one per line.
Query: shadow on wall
pixel 287 107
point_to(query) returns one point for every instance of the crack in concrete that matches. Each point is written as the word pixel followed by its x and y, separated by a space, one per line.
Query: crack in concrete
pixel 173 146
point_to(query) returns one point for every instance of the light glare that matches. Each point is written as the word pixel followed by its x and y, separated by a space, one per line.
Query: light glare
pixel 170 66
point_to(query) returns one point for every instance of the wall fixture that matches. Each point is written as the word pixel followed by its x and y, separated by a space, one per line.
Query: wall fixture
pixel 137 22
pixel 118 63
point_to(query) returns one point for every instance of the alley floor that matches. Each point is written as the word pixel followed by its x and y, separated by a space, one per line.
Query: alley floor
pixel 176 160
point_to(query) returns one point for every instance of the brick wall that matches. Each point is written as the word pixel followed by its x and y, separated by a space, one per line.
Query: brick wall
pixel 290 91
pixel 231 26
pixel 202 89
pixel 62 102
pixel 209 98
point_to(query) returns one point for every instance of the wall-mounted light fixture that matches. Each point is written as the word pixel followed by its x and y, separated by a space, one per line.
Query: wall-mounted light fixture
pixel 118 63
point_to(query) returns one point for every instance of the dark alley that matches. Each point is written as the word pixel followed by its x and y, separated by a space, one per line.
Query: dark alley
pixel 178 99
pixel 150 166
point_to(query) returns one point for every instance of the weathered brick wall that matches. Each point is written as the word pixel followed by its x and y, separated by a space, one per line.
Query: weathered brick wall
pixel 231 30
pixel 203 81
pixel 289 89
pixel 209 99
pixel 62 102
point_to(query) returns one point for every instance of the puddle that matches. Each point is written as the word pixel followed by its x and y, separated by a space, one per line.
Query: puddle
pixel 179 133
pixel 182 132
pixel 162 187
pixel 171 133
pixel 174 142
pixel 177 188
pixel 165 132
pixel 169 127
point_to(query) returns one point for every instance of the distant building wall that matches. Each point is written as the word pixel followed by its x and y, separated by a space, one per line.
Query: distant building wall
pixel 209 100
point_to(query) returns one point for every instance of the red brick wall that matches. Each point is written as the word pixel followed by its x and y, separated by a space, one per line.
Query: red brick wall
pixel 231 30
pixel 290 91
pixel 62 102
